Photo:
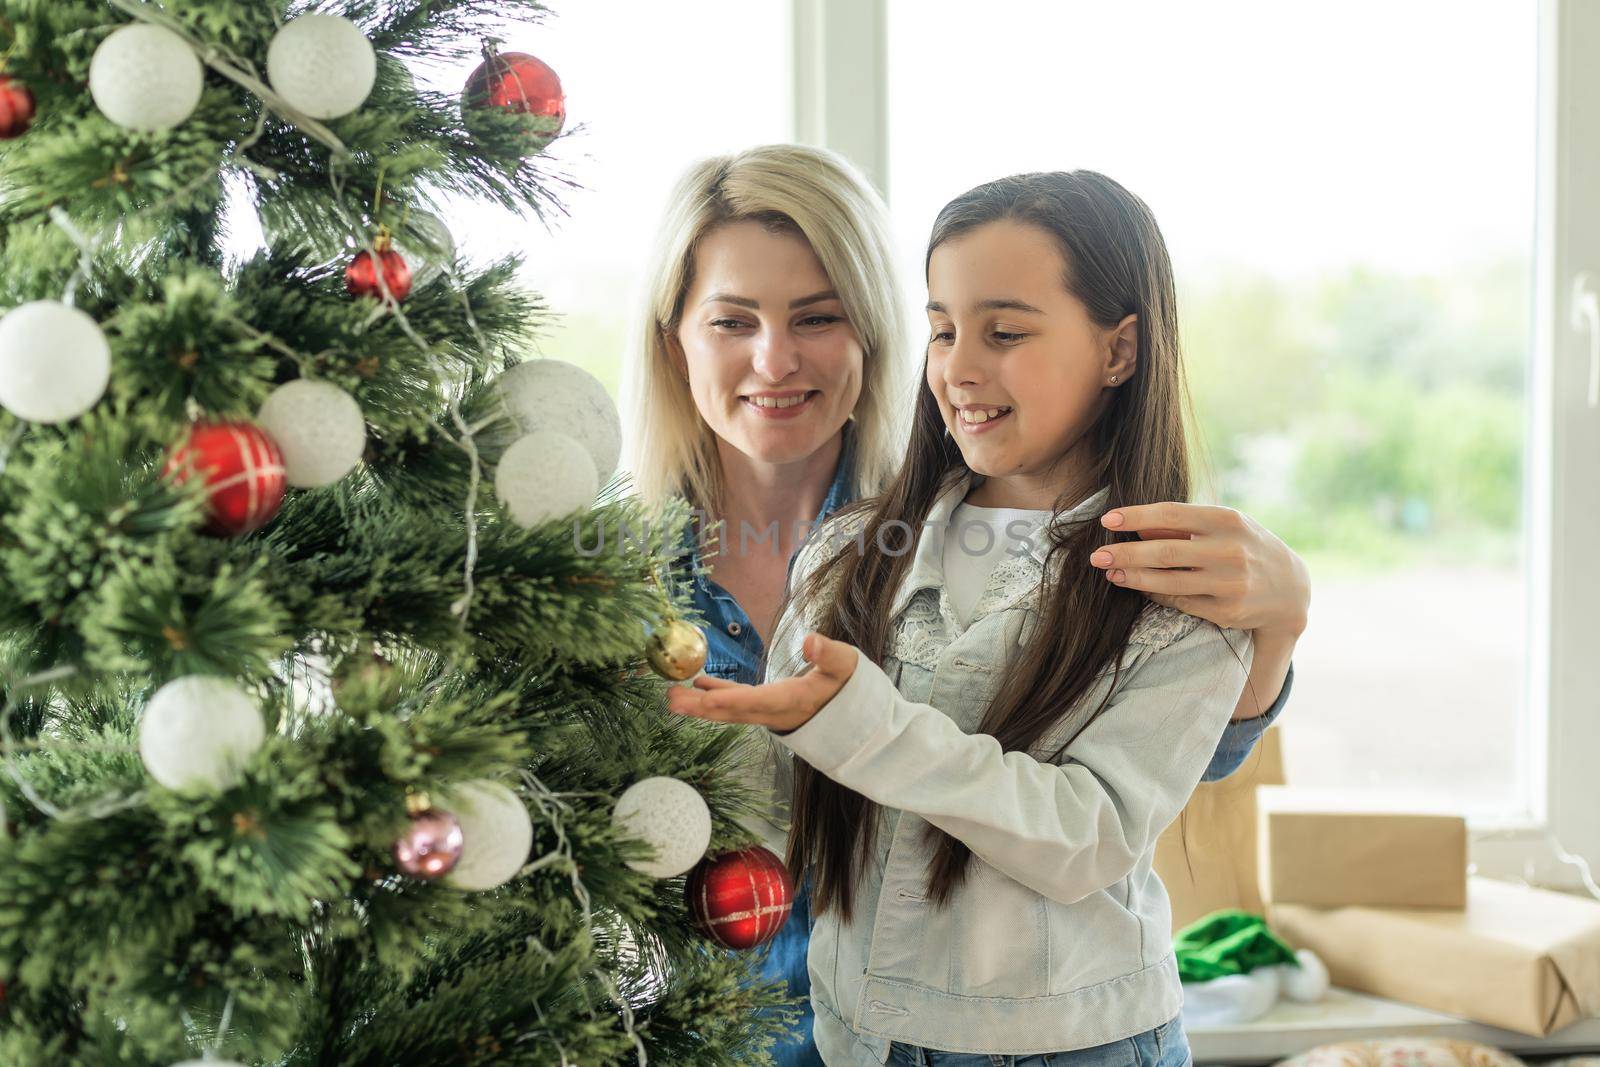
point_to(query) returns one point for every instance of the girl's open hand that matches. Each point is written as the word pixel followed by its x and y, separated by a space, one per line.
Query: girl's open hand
pixel 1216 563
pixel 783 705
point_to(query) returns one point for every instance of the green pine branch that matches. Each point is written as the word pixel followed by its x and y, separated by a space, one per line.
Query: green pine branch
pixel 137 924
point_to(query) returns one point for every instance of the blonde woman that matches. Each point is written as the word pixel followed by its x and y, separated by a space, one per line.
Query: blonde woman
pixel 769 390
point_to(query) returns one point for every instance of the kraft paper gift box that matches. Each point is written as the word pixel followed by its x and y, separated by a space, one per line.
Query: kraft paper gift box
pixel 1523 959
pixel 1207 859
pixel 1316 849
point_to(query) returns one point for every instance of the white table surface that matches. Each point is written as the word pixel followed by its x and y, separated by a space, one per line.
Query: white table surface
pixel 1343 1015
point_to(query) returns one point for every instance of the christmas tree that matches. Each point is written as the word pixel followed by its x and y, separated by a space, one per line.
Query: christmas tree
pixel 326 736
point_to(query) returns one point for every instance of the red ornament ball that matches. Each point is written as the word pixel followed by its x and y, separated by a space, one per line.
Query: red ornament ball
pixel 361 276
pixel 521 84
pixel 16 108
pixel 740 899
pixel 430 846
pixel 243 473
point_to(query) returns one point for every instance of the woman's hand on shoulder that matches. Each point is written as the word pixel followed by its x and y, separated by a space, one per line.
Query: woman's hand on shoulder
pixel 1216 563
pixel 784 705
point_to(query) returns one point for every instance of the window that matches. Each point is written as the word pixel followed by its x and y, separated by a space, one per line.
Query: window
pixel 1349 202
pixel 1376 213
pixel 656 88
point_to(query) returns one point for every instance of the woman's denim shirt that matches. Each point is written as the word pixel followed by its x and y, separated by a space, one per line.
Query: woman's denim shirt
pixel 1059 938
pixel 734 650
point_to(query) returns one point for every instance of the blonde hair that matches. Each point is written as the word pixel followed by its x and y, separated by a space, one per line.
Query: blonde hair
pixel 828 202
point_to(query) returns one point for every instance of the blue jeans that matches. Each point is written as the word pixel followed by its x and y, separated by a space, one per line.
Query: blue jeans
pixel 1165 1046
pixel 784 959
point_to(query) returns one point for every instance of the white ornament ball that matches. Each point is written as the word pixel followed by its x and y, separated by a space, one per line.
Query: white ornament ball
pixel 496 834
pixel 198 732
pixel 545 476
pixel 670 815
pixel 551 394
pixel 54 362
pixel 323 65
pixel 145 77
pixel 320 429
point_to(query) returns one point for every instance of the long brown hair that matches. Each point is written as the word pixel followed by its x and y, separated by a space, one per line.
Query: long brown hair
pixel 1117 265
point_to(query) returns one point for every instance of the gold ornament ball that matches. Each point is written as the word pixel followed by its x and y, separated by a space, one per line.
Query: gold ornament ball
pixel 677 651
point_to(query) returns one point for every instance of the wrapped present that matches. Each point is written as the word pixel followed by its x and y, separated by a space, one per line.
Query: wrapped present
pixel 1523 959
pixel 1320 850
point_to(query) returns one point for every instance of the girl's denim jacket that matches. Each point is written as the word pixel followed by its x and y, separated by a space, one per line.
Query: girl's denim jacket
pixel 1059 938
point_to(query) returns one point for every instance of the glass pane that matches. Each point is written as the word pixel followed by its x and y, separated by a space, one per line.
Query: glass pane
pixel 1348 197
pixel 654 91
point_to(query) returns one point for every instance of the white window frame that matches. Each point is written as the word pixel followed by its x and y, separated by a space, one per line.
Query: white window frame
pixel 841 102
pixel 1563 492
pixel 841 84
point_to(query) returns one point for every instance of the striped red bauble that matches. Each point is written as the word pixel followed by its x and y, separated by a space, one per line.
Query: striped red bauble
pixel 243 473
pixel 740 899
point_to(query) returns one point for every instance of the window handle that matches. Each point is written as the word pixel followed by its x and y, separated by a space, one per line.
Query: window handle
pixel 1586 317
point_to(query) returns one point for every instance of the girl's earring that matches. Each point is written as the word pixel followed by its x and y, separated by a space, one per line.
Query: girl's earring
pixel 1114 379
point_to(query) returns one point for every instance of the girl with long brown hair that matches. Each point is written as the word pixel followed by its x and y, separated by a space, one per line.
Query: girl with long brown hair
pixel 984 745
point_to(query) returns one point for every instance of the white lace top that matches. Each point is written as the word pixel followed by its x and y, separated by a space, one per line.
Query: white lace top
pixel 978 539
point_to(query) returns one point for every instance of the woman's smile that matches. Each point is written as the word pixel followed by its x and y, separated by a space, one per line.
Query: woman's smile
pixel 780 404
